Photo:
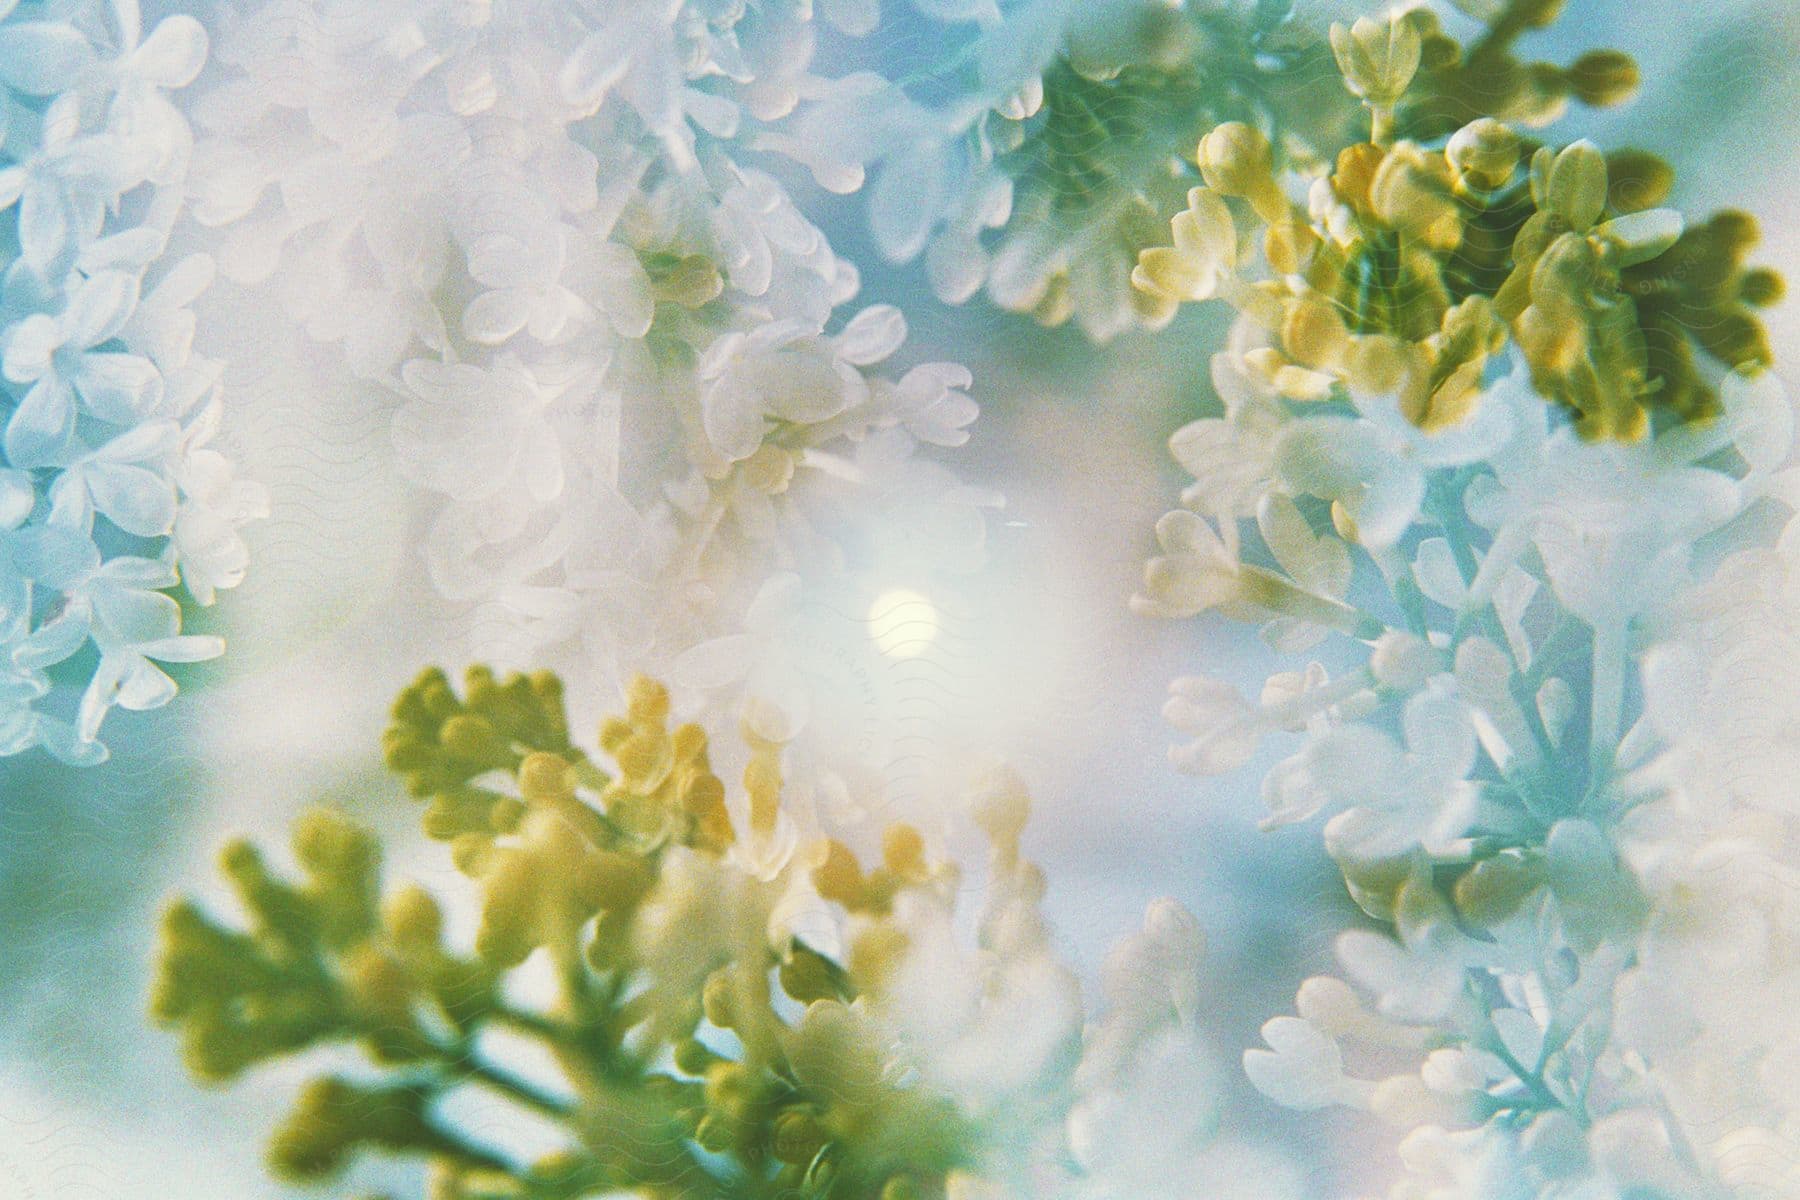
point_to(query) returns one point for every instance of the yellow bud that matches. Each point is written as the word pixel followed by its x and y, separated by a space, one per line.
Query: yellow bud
pixel 691 282
pixel 1636 180
pixel 1412 191
pixel 1378 58
pixel 769 470
pixel 1314 333
pixel 333 1117
pixel 645 760
pixel 688 742
pixel 903 851
pixel 701 793
pixel 1377 364
pixel 1536 14
pixel 471 737
pixel 718 999
pixel 839 877
pixel 647 701
pixel 1237 160
pixel 380 985
pixel 1484 151
pixel 614 732
pixel 1492 890
pixel 875 954
pixel 618 881
pixel 1603 77
pixel 546 778
pixel 1761 288
pixel 1571 184
pixel 1354 174
pixel 1288 245
pixel 412 918
pixel 798 1136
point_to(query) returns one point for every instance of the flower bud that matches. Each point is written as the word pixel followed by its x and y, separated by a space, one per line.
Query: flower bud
pixel 1237 160
pixel 1411 191
pixel 1761 288
pixel 1378 58
pixel 1603 77
pixel 1402 662
pixel 1486 152
pixel 1314 332
pixel 1637 179
pixel 798 1136
pixel 903 851
pixel 546 779
pixel 471 737
pixel 1571 184
pixel 412 918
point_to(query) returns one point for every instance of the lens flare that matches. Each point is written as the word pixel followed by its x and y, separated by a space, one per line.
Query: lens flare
pixel 902 623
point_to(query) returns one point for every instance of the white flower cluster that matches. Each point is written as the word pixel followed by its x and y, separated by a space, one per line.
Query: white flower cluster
pixel 109 492
pixel 1560 771
pixel 622 356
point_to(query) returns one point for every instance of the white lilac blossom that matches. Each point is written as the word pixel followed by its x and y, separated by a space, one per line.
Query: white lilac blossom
pixel 629 374
pixel 110 494
pixel 1560 775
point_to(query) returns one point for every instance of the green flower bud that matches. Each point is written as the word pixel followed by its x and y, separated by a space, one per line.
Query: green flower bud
pixel 1485 151
pixel 1603 78
pixel 1378 58
pixel 1570 183
pixel 798 1136
pixel 334 1118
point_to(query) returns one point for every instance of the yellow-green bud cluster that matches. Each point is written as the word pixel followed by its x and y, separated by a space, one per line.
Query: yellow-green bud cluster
pixel 679 1021
pixel 1412 264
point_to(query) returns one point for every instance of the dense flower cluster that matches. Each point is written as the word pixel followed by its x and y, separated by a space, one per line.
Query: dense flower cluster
pixel 624 361
pixel 110 494
pixel 714 1025
pixel 1407 266
pixel 1555 770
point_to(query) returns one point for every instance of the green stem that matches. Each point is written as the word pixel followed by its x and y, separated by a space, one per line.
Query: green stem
pixel 510 1086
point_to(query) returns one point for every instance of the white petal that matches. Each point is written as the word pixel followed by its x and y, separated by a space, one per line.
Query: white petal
pixel 713 664
pixel 872 335
pixel 173 53
pixel 138 501
pixel 907 200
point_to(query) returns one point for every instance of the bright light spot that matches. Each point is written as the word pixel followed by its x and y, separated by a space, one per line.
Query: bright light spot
pixel 902 623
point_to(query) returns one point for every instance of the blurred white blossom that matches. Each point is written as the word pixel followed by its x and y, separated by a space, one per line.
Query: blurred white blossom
pixel 110 496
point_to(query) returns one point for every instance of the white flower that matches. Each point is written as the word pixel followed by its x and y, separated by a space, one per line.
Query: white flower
pixel 1386 799
pixel 1232 458
pixel 56 359
pixel 1302 1068
pixel 782 372
pixel 1376 466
